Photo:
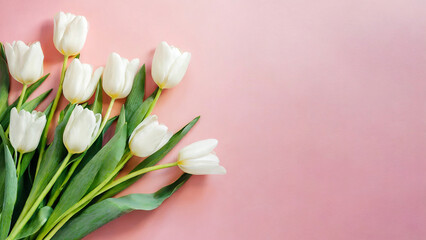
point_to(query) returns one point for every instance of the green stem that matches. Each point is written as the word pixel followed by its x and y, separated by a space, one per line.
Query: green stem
pixel 80 206
pixel 154 102
pixel 51 113
pixel 74 166
pixel 22 221
pixel 83 202
pixel 18 169
pixel 21 98
pixel 105 120
pixel 58 191
pixel 135 174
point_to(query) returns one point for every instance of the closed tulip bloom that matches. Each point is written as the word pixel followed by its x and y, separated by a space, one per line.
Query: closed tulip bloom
pixel 169 65
pixel 79 82
pixel 199 159
pixel 81 129
pixel 148 137
pixel 26 129
pixel 118 76
pixel 25 62
pixel 70 32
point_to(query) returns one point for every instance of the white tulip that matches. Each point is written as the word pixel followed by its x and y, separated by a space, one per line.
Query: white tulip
pixel 118 76
pixel 148 137
pixel 79 82
pixel 198 158
pixel 25 62
pixel 169 65
pixel 26 129
pixel 81 129
pixel 70 32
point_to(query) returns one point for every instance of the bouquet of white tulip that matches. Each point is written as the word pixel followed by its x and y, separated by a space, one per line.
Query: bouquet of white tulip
pixel 64 190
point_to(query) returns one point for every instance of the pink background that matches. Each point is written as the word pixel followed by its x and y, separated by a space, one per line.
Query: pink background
pixel 319 108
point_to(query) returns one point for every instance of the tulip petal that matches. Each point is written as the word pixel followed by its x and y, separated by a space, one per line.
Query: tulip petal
pixel 164 57
pixel 178 70
pixel 197 149
pixel 131 70
pixel 203 170
pixel 74 36
pixel 113 76
pixel 147 140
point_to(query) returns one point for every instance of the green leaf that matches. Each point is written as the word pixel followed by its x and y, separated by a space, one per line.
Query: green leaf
pixel 140 113
pixel 97 104
pixel 103 212
pixel 137 93
pixel 31 105
pixel 36 222
pixel 4 117
pixel 152 160
pixel 80 184
pixel 2 52
pixel 10 191
pixel 52 158
pixel 4 86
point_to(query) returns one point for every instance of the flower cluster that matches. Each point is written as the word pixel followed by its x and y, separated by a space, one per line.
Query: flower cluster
pixel 75 172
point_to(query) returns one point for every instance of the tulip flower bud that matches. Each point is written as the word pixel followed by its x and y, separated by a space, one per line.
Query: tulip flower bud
pixel 79 82
pixel 81 129
pixel 148 137
pixel 26 129
pixel 198 158
pixel 118 76
pixel 70 32
pixel 25 62
pixel 169 65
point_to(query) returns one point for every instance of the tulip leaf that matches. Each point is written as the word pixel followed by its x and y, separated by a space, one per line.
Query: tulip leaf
pixel 36 222
pixel 4 117
pixel 80 184
pixel 10 191
pixel 2 52
pixel 31 105
pixel 140 113
pixel 26 159
pixel 107 210
pixel 2 174
pixel 137 94
pixel 97 104
pixel 152 160
pixel 4 86
pixel 52 158
pixel 84 158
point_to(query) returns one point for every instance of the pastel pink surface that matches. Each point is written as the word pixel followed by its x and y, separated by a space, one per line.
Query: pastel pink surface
pixel 319 108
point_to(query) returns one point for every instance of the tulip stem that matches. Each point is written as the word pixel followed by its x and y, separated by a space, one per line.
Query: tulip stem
pixel 135 174
pixel 61 220
pixel 18 168
pixel 51 113
pixel 21 98
pixel 154 102
pixel 25 217
pixel 99 190
pixel 104 121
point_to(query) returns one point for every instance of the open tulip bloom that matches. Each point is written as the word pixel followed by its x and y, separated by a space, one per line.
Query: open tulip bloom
pixel 65 189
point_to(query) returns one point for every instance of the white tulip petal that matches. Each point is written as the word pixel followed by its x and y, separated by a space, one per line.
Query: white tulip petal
pixel 178 70
pixel 131 71
pixel 80 129
pixel 147 121
pixel 164 57
pixel 147 140
pixel 74 36
pixel 113 76
pixel 203 170
pixel 91 87
pixel 26 129
pixel 197 149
